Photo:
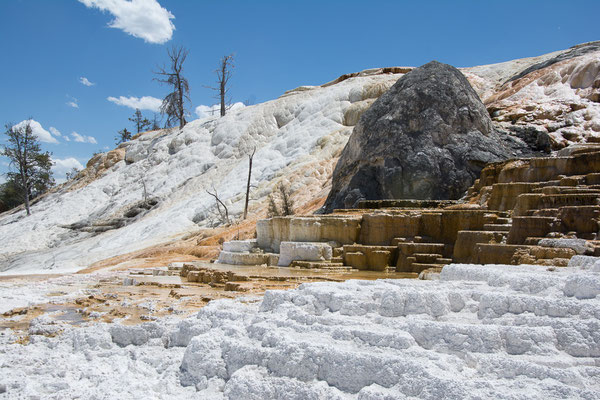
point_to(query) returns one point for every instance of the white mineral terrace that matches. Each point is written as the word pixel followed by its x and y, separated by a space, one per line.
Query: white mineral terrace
pixel 492 331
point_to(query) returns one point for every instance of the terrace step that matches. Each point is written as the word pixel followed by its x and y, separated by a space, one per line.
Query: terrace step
pixel 565 190
pixel 373 258
pixel 319 265
pixel 491 253
pixel 497 227
pixel 572 180
pixel 427 258
pixel 530 226
pixel 411 248
pixel 430 273
pixel 420 267
pixel 410 254
pixel 466 241
pixel 404 203
pixel 538 201
pixel 490 219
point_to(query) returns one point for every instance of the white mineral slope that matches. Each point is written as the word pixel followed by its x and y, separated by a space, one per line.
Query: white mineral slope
pixel 495 331
pixel 297 138
pixel 562 99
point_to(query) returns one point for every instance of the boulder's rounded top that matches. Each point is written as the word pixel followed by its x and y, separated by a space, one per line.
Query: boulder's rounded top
pixel 427 137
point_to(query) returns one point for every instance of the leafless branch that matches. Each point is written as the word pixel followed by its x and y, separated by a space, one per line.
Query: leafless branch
pixel 224 73
pixel 224 215
pixel 250 157
pixel 173 105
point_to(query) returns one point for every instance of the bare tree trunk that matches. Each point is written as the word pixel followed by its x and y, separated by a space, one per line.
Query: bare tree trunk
pixel 250 157
pixel 222 88
pixel 216 196
pixel 223 75
pixel 173 104
pixel 182 120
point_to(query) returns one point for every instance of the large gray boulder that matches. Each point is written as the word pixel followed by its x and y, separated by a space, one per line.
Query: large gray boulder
pixel 428 137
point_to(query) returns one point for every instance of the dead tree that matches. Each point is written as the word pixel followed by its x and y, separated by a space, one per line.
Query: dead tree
pixel 173 105
pixel 223 76
pixel 224 215
pixel 250 157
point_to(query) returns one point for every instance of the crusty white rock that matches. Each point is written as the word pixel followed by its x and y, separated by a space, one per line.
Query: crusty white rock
pixel 304 251
pixel 493 331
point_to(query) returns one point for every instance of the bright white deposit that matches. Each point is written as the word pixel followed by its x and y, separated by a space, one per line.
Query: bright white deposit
pixel 492 331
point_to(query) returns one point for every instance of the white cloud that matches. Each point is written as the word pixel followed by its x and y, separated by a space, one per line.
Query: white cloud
pixel 38 131
pixel 144 19
pixel 61 167
pixel 143 103
pixel 83 139
pixel 55 131
pixel 85 81
pixel 72 102
pixel 203 111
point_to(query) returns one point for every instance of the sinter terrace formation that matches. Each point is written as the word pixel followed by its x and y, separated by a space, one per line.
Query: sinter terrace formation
pixel 527 211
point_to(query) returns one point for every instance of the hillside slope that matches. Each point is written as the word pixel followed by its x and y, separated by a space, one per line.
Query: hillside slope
pixel 298 138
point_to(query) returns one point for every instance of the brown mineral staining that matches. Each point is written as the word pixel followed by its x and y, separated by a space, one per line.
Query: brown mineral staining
pixel 152 297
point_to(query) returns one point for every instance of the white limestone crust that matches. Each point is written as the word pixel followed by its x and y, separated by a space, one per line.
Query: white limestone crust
pixel 304 251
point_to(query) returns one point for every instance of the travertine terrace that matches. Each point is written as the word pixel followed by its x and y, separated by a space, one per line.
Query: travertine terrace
pixel 526 211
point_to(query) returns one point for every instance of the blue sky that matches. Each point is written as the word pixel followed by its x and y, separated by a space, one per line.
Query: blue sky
pixel 48 46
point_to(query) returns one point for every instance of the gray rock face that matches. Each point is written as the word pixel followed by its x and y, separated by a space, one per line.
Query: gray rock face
pixel 428 137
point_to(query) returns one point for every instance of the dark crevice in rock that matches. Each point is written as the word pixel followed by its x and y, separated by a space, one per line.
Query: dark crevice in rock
pixel 130 215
